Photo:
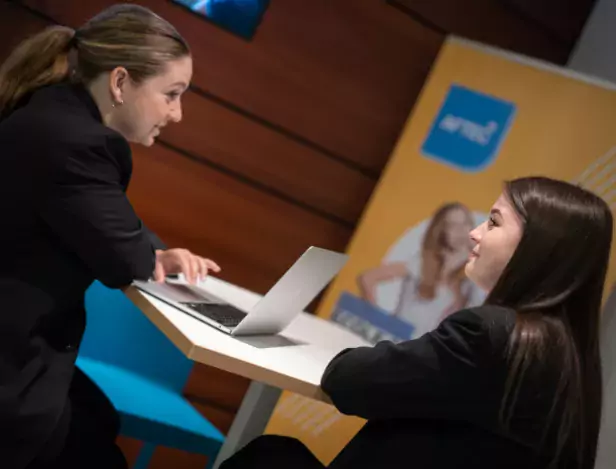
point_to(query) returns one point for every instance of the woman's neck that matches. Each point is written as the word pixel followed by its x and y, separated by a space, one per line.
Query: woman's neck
pixel 98 89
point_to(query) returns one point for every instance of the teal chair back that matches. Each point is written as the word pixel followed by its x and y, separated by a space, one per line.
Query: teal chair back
pixel 117 333
pixel 143 374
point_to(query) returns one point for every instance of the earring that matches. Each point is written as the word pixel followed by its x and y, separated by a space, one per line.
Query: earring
pixel 119 103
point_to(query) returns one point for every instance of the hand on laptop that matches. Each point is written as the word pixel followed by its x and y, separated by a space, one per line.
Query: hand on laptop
pixel 182 261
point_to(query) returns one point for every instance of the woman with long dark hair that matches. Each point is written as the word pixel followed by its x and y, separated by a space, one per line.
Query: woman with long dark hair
pixel 515 383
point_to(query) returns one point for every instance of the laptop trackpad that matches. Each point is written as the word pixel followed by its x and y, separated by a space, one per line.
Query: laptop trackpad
pixel 183 293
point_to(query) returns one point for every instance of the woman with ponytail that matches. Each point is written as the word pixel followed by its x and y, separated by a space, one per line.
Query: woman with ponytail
pixel 512 384
pixel 70 103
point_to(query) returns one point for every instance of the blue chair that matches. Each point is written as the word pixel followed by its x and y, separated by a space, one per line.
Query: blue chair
pixel 143 374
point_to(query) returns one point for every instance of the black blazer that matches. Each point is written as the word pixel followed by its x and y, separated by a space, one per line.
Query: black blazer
pixel 65 222
pixel 434 402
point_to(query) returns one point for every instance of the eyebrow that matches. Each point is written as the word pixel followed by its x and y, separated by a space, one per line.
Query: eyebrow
pixel 179 83
pixel 496 211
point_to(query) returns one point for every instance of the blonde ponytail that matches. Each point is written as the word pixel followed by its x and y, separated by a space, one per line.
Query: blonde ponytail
pixel 38 61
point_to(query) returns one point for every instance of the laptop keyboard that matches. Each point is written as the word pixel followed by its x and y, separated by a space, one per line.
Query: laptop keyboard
pixel 225 314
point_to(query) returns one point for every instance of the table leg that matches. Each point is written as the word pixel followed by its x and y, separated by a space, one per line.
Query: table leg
pixel 252 418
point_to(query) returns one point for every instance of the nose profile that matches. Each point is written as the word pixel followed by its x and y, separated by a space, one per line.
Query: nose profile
pixel 176 114
pixel 475 235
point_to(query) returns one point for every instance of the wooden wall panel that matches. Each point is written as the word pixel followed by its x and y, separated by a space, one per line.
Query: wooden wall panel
pixel 221 136
pixel 223 389
pixel 562 18
pixel 16 24
pixel 221 418
pixel 329 72
pixel 170 458
pixel 488 21
pixel 131 449
pixel 255 237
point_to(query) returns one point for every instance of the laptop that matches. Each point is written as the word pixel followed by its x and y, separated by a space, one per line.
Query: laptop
pixel 306 278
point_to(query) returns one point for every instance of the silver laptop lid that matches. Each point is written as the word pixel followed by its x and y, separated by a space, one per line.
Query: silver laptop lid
pixel 293 292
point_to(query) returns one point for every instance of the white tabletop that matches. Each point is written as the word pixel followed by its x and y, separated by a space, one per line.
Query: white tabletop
pixel 293 360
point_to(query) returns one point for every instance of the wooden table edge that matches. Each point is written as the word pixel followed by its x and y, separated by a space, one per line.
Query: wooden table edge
pixel 220 361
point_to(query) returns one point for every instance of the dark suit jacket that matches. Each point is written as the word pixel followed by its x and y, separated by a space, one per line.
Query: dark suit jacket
pixel 65 222
pixel 434 402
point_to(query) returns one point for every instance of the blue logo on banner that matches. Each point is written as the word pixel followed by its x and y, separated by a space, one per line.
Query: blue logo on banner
pixel 469 129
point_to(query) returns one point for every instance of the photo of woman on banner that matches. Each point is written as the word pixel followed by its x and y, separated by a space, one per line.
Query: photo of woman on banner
pixel 431 281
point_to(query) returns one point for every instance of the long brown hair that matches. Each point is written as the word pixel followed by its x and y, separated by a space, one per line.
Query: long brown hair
pixel 129 36
pixel 434 247
pixel 554 281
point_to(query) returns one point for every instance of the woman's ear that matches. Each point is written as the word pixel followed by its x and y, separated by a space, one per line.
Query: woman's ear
pixel 118 79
